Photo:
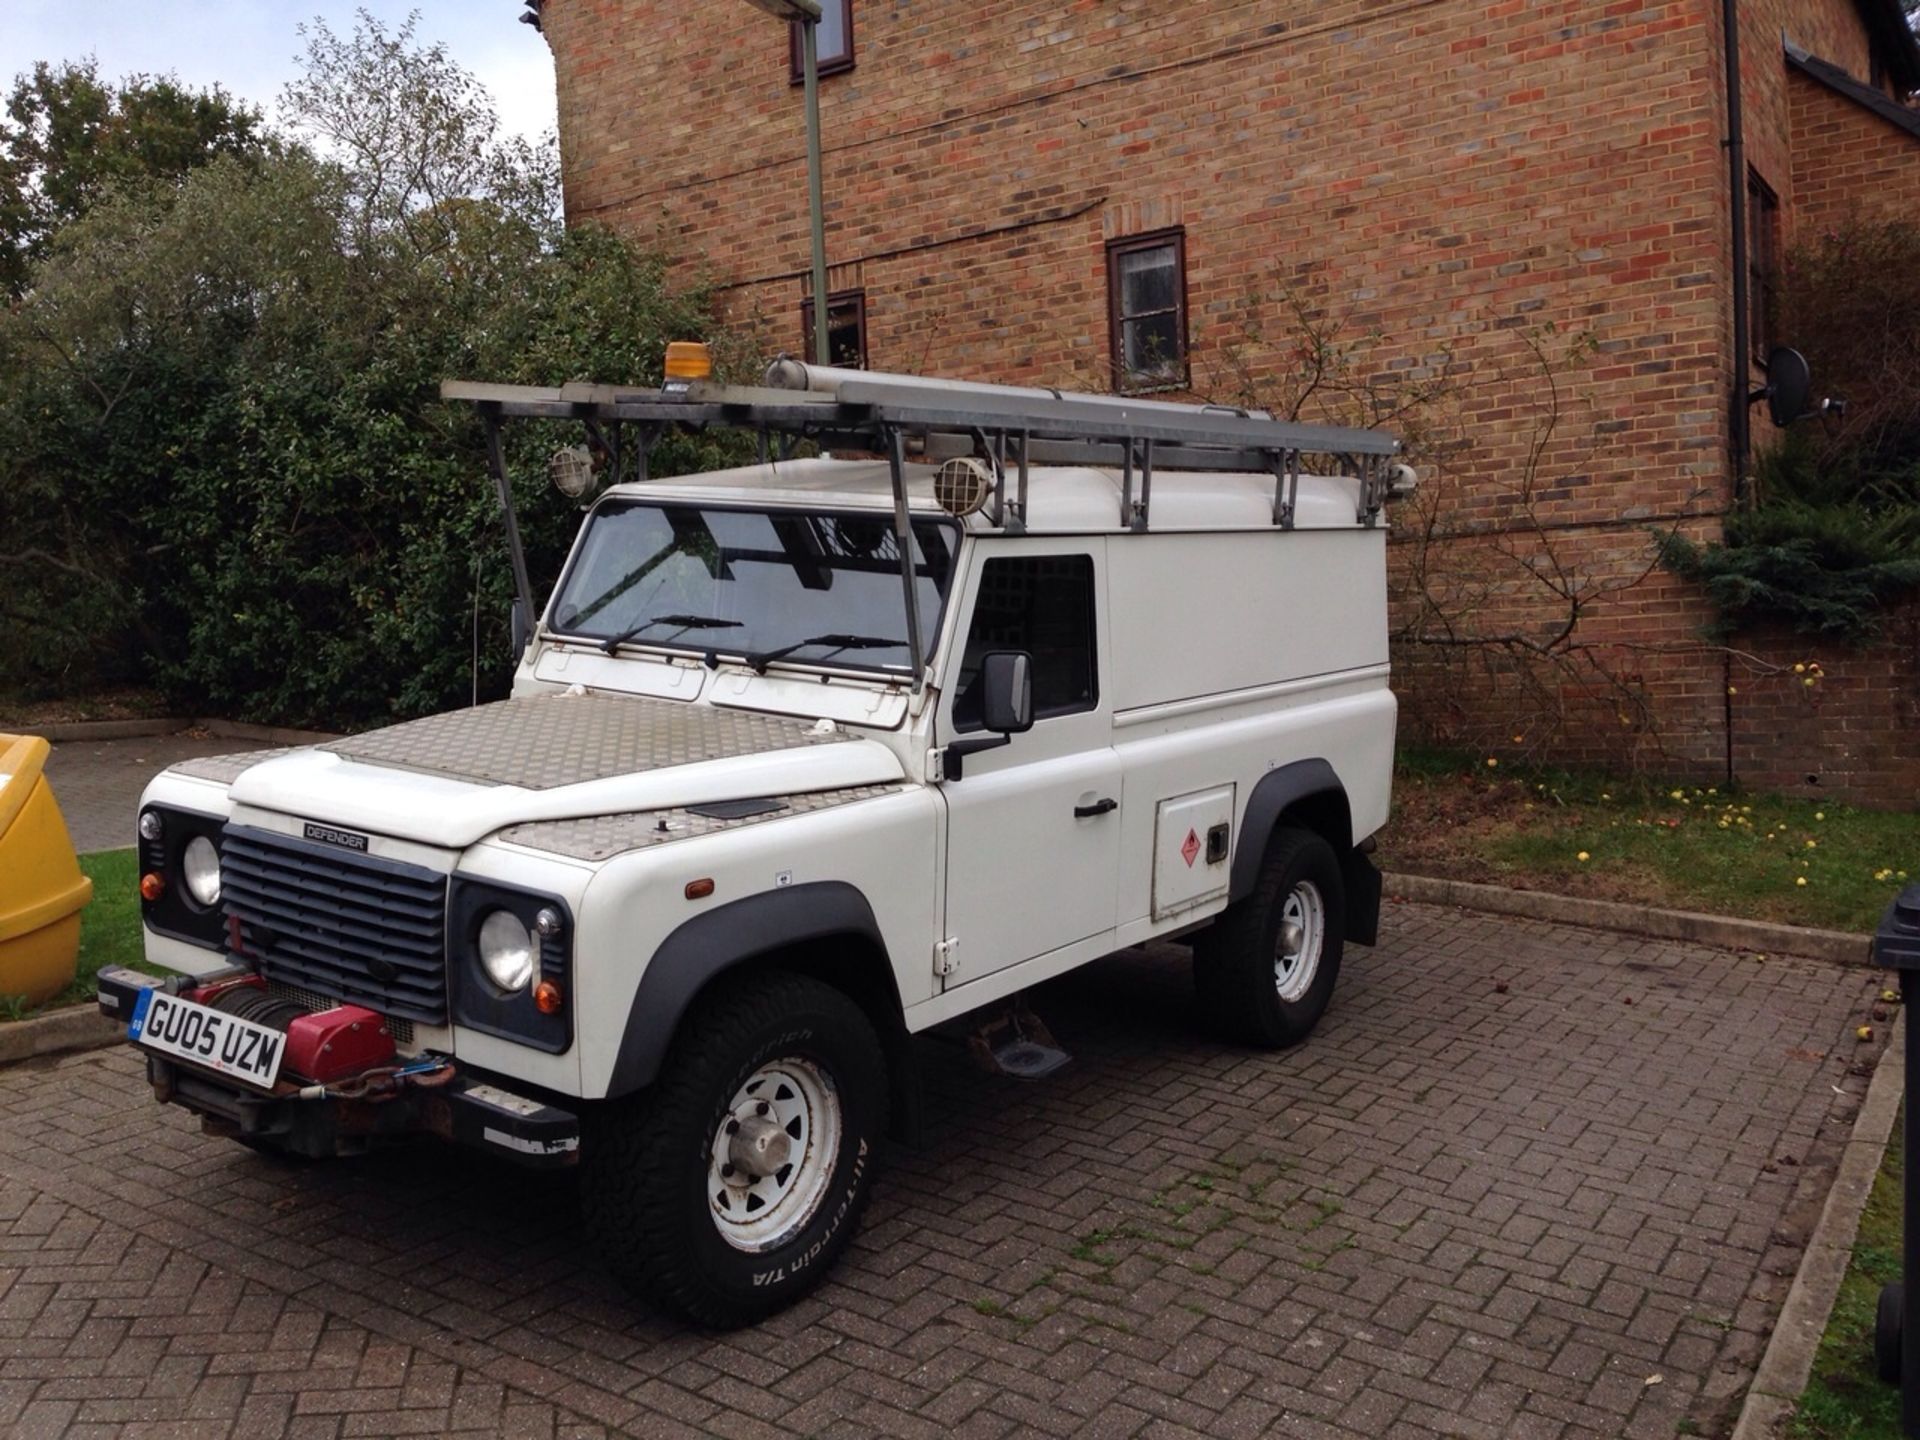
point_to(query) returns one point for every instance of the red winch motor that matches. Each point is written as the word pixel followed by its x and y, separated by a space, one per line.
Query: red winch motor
pixel 338 1044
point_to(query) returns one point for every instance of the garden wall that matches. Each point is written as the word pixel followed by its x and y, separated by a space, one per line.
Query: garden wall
pixel 1854 734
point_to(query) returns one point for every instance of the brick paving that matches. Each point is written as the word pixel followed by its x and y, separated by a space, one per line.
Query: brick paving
pixel 98 782
pixel 1458 1210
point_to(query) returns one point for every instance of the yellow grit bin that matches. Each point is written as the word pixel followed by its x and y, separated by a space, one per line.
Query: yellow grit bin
pixel 41 888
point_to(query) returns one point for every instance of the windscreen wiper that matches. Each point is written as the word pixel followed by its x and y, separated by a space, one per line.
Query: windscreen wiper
pixel 685 622
pixel 837 642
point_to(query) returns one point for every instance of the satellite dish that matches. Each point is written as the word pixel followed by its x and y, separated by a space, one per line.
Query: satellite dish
pixel 1789 384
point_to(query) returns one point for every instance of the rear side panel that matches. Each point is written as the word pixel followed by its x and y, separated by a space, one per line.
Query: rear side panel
pixel 1238 655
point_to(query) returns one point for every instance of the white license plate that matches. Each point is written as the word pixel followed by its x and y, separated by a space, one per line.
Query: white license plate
pixel 207 1037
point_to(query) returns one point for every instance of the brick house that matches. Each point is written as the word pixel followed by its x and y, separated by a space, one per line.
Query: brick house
pixel 1128 194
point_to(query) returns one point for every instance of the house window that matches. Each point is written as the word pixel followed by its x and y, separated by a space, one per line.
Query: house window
pixel 1147 309
pixel 835 39
pixel 846 328
pixel 1763 262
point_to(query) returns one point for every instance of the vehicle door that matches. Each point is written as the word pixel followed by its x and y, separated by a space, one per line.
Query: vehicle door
pixel 1033 826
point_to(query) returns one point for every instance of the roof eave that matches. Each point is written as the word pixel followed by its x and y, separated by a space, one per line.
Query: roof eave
pixel 1906 117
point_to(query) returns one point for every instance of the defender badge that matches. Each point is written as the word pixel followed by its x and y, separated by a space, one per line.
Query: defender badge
pixel 331 836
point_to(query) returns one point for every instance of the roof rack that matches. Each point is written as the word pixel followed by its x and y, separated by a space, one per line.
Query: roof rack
pixel 1004 425
pixel 1009 428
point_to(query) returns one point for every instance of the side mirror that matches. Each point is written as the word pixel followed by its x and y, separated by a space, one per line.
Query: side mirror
pixel 1006 691
pixel 521 629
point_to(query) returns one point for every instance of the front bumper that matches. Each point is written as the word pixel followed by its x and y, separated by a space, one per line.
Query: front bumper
pixel 467 1110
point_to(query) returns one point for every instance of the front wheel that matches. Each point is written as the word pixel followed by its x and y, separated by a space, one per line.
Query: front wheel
pixel 729 1188
pixel 1266 969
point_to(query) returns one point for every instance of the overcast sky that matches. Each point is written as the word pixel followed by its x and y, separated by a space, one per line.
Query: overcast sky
pixel 249 46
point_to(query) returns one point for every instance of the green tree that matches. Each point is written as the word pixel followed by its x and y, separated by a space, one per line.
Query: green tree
pixel 224 465
pixel 68 136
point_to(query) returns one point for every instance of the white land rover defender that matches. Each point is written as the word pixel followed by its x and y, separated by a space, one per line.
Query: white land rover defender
pixel 801 758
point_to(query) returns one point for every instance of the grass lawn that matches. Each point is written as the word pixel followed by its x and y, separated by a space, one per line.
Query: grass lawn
pixel 1688 847
pixel 1845 1400
pixel 109 929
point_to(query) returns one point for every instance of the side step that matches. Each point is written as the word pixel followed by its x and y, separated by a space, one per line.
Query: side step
pixel 1016 1044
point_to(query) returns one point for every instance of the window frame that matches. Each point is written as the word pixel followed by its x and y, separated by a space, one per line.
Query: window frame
pixel 1091 704
pixel 836 299
pixel 1763 264
pixel 1137 380
pixel 829 64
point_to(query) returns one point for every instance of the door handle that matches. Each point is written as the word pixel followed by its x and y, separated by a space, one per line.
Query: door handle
pixel 1098 807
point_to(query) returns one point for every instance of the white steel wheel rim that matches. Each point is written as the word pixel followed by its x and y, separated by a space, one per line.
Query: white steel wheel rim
pixel 1303 933
pixel 792 1099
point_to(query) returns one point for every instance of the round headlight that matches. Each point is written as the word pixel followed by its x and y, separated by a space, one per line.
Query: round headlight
pixel 506 950
pixel 200 871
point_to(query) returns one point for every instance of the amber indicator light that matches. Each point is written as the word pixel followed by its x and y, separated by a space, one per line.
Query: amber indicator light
pixel 699 889
pixel 152 886
pixel 547 998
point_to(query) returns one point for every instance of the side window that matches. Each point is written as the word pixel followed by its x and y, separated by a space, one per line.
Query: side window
pixel 1042 604
pixel 1763 261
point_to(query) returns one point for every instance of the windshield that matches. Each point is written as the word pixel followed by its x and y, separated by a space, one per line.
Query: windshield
pixel 823 588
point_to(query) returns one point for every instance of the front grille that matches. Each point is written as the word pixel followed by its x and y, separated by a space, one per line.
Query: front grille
pixel 341 925
pixel 313 1004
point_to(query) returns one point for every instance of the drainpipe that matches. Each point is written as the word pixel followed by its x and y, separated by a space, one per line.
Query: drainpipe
pixel 1739 415
pixel 1741 433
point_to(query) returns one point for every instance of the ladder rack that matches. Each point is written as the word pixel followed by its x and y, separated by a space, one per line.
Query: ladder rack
pixel 1010 428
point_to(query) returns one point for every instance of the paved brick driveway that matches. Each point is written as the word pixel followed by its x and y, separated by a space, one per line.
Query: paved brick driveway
pixel 1458 1210
pixel 98 782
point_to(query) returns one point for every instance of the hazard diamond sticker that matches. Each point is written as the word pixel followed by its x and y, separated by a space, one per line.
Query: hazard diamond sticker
pixel 1190 848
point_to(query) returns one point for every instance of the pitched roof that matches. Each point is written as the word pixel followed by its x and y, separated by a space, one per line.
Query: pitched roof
pixel 1836 79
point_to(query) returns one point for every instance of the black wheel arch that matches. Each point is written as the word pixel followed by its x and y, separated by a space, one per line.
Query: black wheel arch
pixel 823 929
pixel 1308 794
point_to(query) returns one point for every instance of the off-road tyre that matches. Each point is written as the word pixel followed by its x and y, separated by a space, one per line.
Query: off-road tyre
pixel 647 1161
pixel 1236 960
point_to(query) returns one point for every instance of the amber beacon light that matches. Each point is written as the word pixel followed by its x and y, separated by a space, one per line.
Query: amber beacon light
pixel 688 360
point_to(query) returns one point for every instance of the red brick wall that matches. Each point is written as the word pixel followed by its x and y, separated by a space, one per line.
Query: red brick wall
pixel 1830 29
pixel 1849 163
pixel 1448 175
pixel 1854 733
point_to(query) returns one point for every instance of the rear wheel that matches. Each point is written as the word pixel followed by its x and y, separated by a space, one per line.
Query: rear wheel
pixel 1266 969
pixel 728 1189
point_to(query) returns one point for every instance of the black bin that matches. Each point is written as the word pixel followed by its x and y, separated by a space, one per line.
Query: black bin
pixel 1896 1345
